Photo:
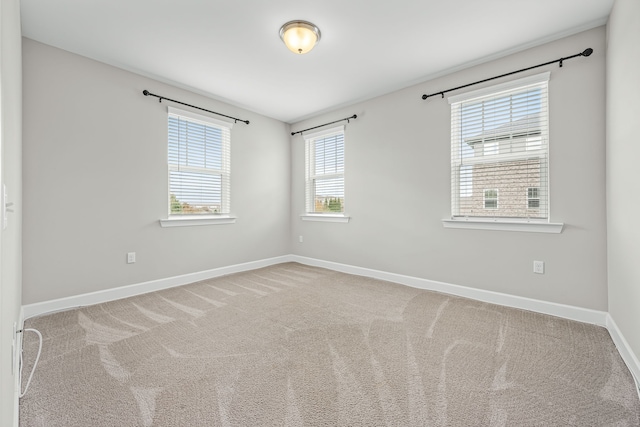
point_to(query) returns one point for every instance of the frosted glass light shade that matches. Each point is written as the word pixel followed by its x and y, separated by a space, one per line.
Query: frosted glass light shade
pixel 299 36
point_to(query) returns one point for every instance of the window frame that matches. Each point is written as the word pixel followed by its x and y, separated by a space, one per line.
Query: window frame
pixel 208 218
pixel 310 177
pixel 531 145
pixel 485 199
pixel 531 198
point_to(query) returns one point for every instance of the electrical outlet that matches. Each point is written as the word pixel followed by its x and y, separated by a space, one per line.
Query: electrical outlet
pixel 538 267
pixel 131 257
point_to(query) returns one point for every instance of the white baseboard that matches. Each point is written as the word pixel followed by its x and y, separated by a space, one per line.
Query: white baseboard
pixel 579 314
pixel 625 350
pixel 561 310
pixel 61 304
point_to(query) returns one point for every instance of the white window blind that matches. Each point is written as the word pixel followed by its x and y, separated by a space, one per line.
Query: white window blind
pixel 199 163
pixel 324 165
pixel 500 142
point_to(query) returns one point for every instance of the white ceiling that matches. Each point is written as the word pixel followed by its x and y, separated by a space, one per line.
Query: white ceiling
pixel 230 50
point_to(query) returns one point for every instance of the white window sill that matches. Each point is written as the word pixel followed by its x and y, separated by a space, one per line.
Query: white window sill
pixel 504 225
pixel 188 221
pixel 325 217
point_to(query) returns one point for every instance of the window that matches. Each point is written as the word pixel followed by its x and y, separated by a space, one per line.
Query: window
pixel 499 146
pixel 199 164
pixel 324 165
pixel 491 148
pixel 491 199
pixel 533 198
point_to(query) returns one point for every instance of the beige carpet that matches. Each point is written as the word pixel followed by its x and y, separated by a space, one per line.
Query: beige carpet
pixel 292 345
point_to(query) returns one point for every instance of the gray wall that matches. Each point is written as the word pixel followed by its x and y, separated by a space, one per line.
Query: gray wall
pixel 398 187
pixel 623 174
pixel 95 181
pixel 11 175
pixel 94 166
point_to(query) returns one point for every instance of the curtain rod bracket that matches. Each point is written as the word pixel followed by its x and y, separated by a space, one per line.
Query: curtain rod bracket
pixel 585 53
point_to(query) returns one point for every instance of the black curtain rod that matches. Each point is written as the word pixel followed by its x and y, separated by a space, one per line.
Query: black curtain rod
pixel 330 123
pixel 586 52
pixel 147 93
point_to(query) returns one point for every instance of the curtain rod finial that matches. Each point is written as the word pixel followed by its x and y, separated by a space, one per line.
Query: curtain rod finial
pixel 145 92
pixel 587 52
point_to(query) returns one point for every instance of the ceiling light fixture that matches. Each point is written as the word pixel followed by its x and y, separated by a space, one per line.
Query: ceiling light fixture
pixel 300 36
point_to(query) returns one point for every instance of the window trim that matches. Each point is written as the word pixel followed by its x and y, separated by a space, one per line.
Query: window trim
pixel 502 87
pixel 185 220
pixel 505 224
pixel 532 226
pixel 325 217
pixel 308 194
